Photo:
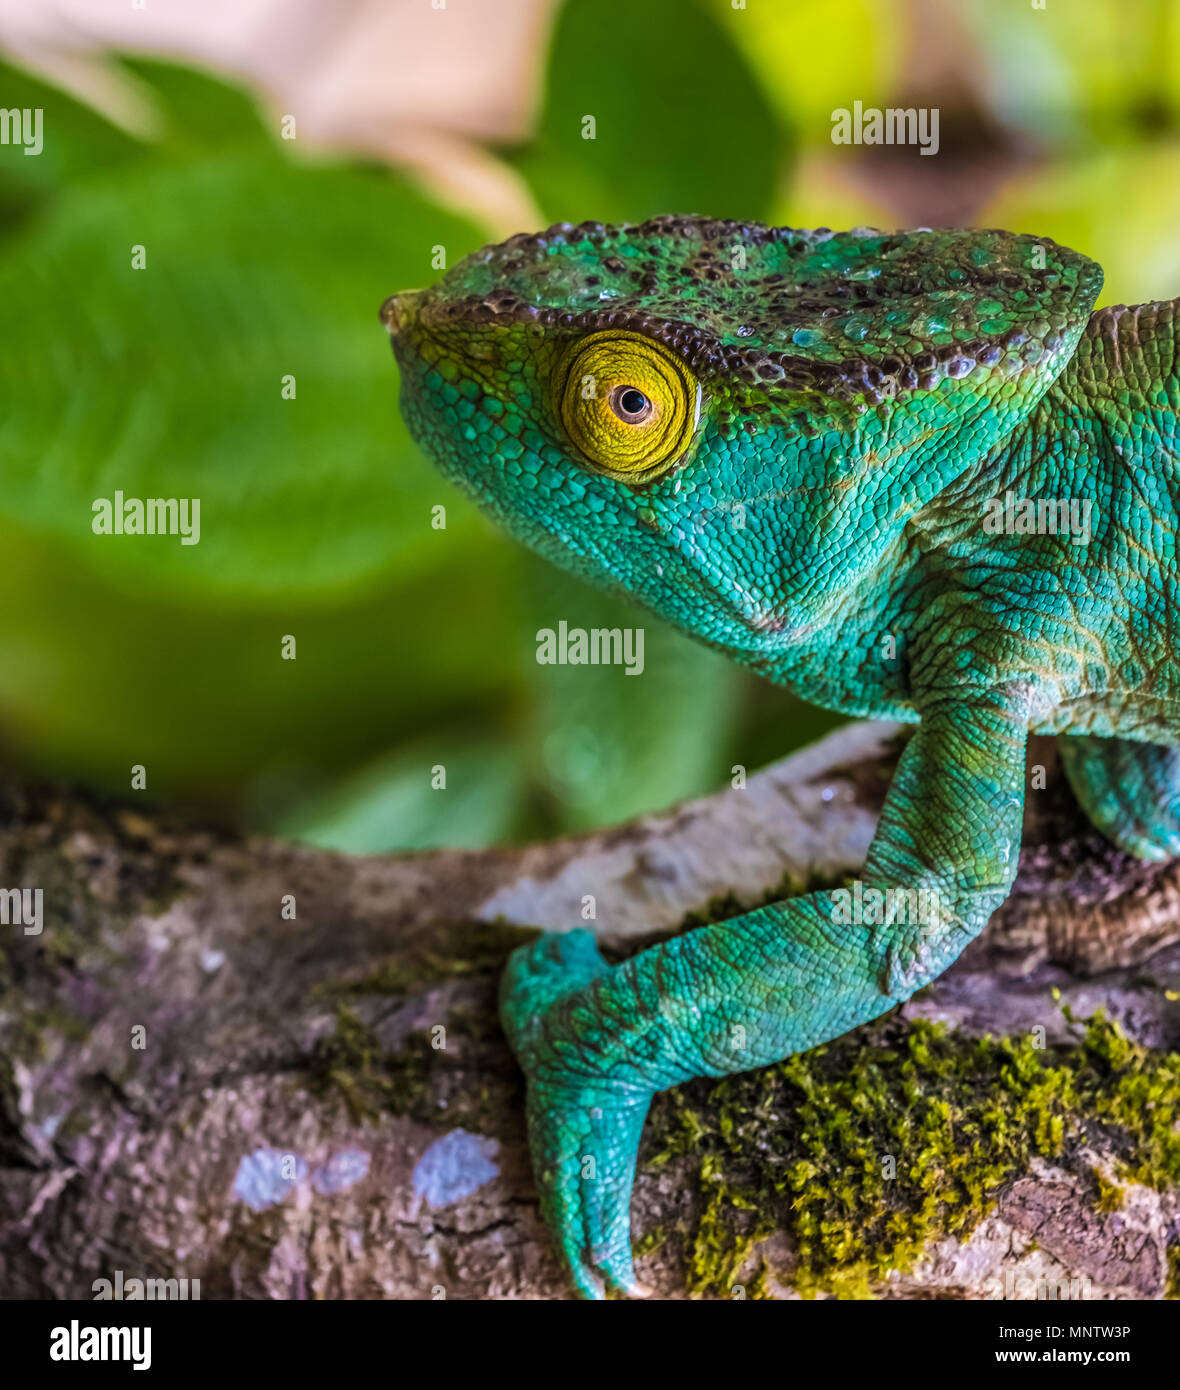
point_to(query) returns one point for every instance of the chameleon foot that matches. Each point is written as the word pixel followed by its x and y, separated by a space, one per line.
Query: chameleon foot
pixel 583 1131
pixel 1130 790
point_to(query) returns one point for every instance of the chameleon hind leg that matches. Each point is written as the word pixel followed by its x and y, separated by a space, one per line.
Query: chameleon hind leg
pixel 596 1042
pixel 1131 791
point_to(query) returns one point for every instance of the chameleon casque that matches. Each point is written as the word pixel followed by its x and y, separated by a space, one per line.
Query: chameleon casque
pixel 787 443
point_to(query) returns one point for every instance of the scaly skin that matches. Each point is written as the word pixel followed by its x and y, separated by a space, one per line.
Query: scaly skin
pixel 840 409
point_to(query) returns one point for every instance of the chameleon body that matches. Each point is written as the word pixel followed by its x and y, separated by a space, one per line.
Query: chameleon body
pixel 813 451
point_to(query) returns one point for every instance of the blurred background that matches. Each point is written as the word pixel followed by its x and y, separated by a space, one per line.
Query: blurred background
pixel 420 124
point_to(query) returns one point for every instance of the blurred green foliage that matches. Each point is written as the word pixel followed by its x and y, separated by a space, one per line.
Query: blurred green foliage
pixel 626 131
pixel 416 646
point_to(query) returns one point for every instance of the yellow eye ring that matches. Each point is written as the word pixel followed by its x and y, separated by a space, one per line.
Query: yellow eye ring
pixel 629 406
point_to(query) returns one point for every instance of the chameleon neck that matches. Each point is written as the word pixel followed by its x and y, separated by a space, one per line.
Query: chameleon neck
pixel 1121 390
pixel 1095 462
pixel 1106 433
pixel 1111 420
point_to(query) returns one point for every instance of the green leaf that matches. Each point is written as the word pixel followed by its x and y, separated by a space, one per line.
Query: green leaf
pixel 97 676
pixel 650 109
pixel 811 56
pixel 168 381
pixel 395 803
pixel 197 109
pixel 78 145
pixel 607 745
pixel 315 512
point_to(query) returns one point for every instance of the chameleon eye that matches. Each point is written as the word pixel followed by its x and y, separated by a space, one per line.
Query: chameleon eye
pixel 628 404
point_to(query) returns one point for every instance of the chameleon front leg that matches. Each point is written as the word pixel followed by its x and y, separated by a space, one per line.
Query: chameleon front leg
pixel 1131 791
pixel 596 1043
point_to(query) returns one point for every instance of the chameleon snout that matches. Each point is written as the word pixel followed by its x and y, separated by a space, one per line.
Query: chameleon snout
pixel 400 310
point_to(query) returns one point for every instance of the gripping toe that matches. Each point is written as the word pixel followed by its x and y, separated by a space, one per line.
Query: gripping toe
pixel 544 971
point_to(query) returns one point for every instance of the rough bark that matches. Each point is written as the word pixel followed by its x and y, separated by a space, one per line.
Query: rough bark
pixel 194 1085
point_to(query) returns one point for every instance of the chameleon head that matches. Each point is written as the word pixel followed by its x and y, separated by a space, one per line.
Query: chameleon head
pixel 730 422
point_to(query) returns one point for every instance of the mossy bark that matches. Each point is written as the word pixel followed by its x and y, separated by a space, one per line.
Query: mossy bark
pixel 195 1085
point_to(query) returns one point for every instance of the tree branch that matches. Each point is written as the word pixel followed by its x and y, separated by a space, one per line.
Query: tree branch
pixel 194 1085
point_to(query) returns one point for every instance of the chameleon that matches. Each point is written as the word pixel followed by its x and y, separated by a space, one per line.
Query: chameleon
pixel 913 476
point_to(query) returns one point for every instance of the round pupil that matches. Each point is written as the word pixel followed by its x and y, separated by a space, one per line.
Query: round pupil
pixel 632 402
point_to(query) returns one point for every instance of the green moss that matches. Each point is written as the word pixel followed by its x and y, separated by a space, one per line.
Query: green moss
pixel 759 1287
pixel 863 1151
pixel 457 951
pixel 414 1079
pixel 731 1225
pixel 871 1147
pixel 650 1241
pixel 428 1083
pixel 27 1038
pixel 1110 1195
pixel 348 1064
pixel 370 1079
pixel 1137 1091
pixel 1172 1288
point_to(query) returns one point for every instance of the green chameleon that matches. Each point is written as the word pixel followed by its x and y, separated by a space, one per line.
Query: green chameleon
pixel 910 476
